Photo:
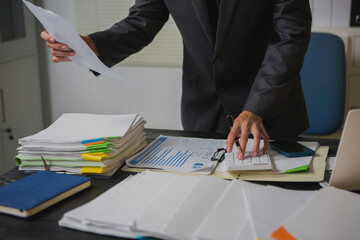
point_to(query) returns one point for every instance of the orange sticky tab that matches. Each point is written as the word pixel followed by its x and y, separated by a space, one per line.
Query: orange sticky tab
pixel 93 143
pixel 282 234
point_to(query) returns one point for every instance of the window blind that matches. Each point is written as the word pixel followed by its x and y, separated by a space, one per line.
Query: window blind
pixel 96 15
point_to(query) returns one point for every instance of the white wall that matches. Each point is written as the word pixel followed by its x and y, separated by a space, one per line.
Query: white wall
pixel 69 88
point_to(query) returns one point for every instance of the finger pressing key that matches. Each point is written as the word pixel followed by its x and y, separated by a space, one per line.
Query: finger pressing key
pixel 243 142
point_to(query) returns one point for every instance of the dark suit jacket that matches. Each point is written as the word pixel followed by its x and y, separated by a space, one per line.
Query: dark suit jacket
pixel 252 63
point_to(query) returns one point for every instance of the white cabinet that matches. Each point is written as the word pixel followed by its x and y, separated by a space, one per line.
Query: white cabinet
pixel 20 99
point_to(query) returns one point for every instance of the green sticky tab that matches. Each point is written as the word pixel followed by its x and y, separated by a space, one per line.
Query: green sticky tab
pixel 298 169
pixel 101 145
pixel 104 150
pixel 17 161
pixel 113 138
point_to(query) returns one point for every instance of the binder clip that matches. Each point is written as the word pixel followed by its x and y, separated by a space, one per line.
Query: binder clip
pixel 219 155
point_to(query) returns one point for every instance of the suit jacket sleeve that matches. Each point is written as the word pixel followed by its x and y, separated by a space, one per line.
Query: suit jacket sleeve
pixel 284 56
pixel 130 35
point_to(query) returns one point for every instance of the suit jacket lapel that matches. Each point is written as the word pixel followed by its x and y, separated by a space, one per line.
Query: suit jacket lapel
pixel 202 13
pixel 227 10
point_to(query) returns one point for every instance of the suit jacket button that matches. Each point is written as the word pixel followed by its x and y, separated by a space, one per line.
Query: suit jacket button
pixel 217 61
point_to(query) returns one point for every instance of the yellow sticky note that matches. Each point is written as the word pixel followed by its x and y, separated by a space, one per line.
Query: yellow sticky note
pixel 92 170
pixel 93 156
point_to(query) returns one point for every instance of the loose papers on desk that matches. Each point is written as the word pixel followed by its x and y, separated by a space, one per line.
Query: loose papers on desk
pixel 283 164
pixel 83 143
pixel 178 154
pixel 193 155
pixel 331 214
pixel 315 173
pixel 63 31
pixel 203 207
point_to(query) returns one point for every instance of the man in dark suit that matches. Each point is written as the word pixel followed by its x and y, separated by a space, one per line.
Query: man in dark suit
pixel 241 58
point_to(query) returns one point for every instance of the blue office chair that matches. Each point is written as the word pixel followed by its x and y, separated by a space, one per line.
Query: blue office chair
pixel 323 79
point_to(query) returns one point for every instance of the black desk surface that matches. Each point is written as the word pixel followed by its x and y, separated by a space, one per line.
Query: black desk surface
pixel 45 224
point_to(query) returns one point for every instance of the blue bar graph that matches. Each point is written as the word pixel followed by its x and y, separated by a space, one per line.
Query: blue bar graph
pixel 170 159
pixel 180 158
pixel 160 157
pixel 177 154
pixel 151 156
pixel 148 151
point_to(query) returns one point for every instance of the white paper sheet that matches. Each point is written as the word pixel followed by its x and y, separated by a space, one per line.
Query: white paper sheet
pixel 131 201
pixel 270 207
pixel 155 217
pixel 199 201
pixel 225 220
pixel 178 154
pixel 332 214
pixel 80 217
pixel 207 208
pixel 246 231
pixel 120 206
pixel 76 127
pixel 63 31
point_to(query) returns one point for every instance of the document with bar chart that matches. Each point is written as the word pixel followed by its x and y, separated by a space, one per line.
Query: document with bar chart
pixel 178 154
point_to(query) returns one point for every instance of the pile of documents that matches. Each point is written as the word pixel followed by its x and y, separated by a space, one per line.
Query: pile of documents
pixel 83 143
pixel 200 155
pixel 170 206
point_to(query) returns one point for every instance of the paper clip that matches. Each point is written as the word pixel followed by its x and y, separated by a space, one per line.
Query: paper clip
pixel 219 155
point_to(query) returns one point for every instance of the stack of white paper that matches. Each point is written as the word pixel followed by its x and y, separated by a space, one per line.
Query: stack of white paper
pixel 171 206
pixel 83 143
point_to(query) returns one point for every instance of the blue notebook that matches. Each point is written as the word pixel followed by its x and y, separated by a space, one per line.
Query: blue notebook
pixel 36 192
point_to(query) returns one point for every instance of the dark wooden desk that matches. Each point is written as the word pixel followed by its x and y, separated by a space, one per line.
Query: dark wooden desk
pixel 45 224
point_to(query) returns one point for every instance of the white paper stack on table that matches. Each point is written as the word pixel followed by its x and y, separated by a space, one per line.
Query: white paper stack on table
pixel 173 206
pixel 83 143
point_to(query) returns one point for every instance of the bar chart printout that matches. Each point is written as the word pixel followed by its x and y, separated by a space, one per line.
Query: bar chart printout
pixel 178 154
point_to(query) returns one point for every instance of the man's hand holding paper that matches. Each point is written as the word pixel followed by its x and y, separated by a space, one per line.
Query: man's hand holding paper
pixel 61 36
pixel 60 51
